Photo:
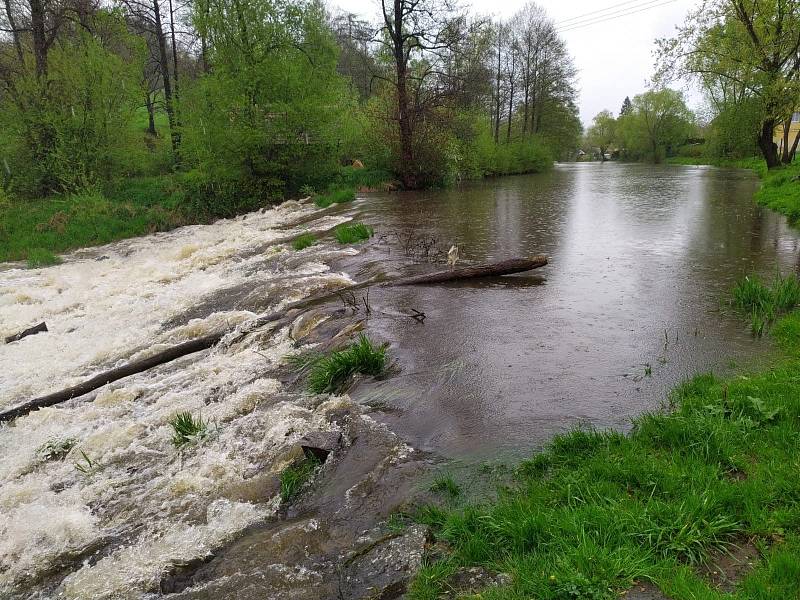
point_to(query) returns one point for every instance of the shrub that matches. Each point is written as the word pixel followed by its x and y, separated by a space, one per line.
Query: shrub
pixel 351 234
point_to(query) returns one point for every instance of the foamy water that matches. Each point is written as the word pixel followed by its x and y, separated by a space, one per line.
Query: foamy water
pixel 134 496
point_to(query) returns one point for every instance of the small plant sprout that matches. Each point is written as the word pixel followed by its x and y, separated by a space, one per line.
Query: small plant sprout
pixel 296 476
pixel 187 429
pixel 445 484
pixel 56 448
pixel 648 369
pixel 87 466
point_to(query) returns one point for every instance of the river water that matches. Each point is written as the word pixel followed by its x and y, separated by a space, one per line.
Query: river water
pixel 632 302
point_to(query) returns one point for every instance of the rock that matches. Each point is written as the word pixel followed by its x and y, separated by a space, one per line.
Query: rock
pixel 357 164
pixel 381 568
pixel 320 444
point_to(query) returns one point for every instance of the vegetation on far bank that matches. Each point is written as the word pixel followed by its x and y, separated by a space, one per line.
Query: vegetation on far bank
pixel 598 511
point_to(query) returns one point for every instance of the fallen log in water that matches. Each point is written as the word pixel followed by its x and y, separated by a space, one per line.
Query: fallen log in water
pixel 207 341
pixel 41 327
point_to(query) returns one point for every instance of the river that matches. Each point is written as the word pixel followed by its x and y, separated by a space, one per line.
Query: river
pixel 642 259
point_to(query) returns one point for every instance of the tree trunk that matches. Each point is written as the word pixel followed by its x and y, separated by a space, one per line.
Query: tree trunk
pixel 497 88
pixel 38 33
pixel 403 115
pixel 163 61
pixel 793 151
pixel 14 32
pixel 768 148
pixel 151 116
pixel 785 157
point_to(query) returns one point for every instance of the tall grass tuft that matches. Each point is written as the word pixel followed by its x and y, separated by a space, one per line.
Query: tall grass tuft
pixel 330 373
pixel 304 241
pixel 335 195
pixel 295 476
pixel 762 303
pixel 187 429
pixel 351 234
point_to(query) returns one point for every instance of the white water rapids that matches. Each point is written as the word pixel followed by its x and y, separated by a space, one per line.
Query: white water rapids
pixel 134 495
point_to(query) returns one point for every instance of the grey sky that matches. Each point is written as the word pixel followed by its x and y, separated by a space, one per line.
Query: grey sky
pixel 615 57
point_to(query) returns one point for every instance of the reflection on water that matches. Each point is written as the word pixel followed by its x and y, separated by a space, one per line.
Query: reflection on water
pixel 641 260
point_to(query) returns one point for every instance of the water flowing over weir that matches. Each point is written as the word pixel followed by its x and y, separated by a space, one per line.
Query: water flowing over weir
pixel 630 304
pixel 136 507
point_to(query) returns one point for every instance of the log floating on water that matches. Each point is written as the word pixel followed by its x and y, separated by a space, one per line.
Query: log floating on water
pixel 41 327
pixel 506 267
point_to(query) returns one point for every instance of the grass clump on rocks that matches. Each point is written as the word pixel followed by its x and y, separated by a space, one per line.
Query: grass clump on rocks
pixel 304 241
pixel 352 234
pixel 187 429
pixel 331 373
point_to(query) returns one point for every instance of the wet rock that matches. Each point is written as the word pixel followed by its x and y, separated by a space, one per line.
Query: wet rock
pixel 319 444
pixel 381 568
pixel 305 324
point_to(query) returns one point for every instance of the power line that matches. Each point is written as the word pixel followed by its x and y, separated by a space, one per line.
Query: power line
pixel 602 20
pixel 565 22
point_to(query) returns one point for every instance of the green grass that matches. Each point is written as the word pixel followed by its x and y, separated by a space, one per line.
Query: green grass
pixel 335 195
pixel 331 372
pixel 598 509
pixel 762 303
pixel 351 234
pixel 780 191
pixel 296 476
pixel 446 485
pixel 304 241
pixel 187 429
pixel 56 448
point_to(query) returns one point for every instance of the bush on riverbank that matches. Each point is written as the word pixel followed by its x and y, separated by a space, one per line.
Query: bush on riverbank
pixel 599 510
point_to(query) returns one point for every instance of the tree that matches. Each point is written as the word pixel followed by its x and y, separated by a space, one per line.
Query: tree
pixel 626 107
pixel 603 132
pixel 749 49
pixel 423 30
pixel 658 122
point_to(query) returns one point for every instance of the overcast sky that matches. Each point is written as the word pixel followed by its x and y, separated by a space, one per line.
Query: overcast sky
pixel 614 57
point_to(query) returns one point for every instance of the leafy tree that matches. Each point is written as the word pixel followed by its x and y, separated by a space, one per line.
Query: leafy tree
pixel 603 132
pixel 658 123
pixel 739 49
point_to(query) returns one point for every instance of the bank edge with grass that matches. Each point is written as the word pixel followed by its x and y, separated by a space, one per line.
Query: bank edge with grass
pixel 599 511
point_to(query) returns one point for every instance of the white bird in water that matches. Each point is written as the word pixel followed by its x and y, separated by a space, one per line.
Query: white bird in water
pixel 452 256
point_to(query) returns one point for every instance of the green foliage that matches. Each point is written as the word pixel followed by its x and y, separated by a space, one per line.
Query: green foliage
pixel 762 303
pixel 304 241
pixel 187 429
pixel 603 132
pixel 56 448
pixel 351 234
pixel 70 131
pixel 335 195
pixel 296 476
pixel 331 373
pixel 87 466
pixel 445 484
pixel 657 125
pixel 597 510
pixel 780 190
pixel 39 257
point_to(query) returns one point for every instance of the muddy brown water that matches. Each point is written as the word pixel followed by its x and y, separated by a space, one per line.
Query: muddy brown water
pixel 642 259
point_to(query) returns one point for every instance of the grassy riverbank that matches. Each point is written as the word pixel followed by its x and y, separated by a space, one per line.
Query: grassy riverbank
pixel 599 510
pixel 37 230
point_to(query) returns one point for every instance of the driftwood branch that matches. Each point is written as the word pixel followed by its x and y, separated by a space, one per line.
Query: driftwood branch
pixel 203 343
pixel 41 327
